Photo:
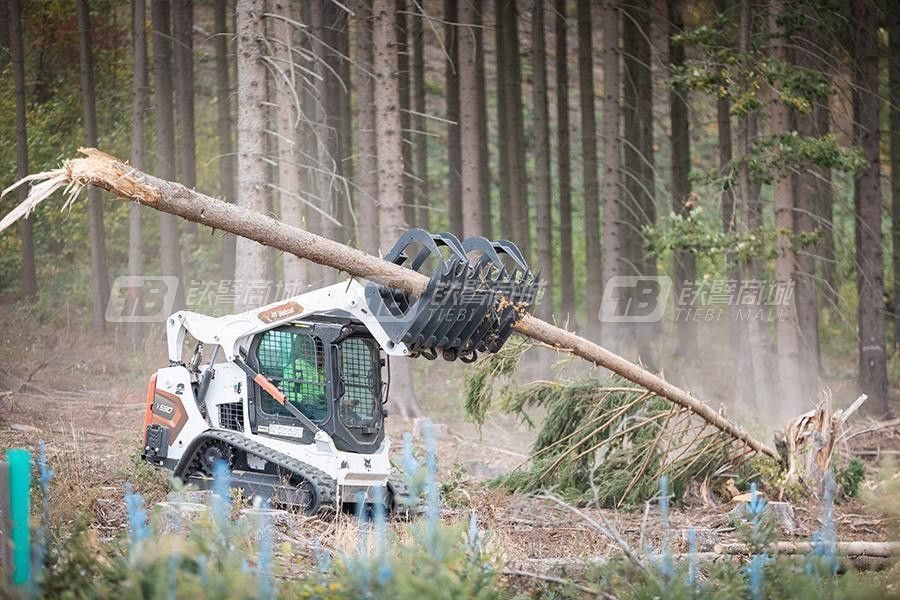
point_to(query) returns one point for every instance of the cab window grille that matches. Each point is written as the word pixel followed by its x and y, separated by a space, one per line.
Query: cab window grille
pixel 360 372
pixel 295 362
pixel 231 416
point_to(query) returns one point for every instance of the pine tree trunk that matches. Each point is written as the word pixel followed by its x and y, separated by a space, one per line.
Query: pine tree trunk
pixel 613 235
pixel 484 164
pixel 870 279
pixel 632 168
pixel 138 107
pixel 543 201
pixel 469 128
pixel 347 206
pixel 893 24
pixel 787 347
pixel 252 260
pixel 589 166
pixel 515 130
pixel 423 213
pixel 183 26
pixel 409 191
pixel 290 189
pixel 807 186
pixel 26 235
pixel 99 273
pixel 503 149
pixel 752 372
pixel 388 140
pixel 333 93
pixel 564 165
pixel 223 127
pixel 451 82
pixel 365 128
pixel 170 243
pixel 4 34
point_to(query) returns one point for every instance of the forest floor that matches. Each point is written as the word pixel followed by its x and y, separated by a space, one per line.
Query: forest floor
pixel 83 395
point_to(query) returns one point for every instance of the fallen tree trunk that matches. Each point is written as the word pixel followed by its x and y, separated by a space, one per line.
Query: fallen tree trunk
pixel 101 170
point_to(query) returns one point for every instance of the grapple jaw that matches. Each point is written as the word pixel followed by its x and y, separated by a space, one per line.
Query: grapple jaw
pixel 477 291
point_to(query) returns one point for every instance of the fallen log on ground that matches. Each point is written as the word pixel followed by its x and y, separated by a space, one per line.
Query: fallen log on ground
pixel 101 170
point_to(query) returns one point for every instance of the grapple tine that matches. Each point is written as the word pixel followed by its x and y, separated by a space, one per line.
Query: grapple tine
pixel 459 313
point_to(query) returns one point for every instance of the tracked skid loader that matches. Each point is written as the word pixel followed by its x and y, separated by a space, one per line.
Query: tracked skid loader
pixel 292 397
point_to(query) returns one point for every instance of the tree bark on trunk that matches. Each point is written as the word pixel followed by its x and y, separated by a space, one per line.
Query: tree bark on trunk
pixel 870 279
pixel 787 346
pixel 753 385
pixel 170 243
pixel 503 149
pixel 99 273
pixel 564 165
pixel 104 171
pixel 388 139
pixel 290 188
pixel 543 201
pixel 893 24
pixel 365 128
pixel 409 191
pixel 807 186
pixel 518 190
pixel 138 106
pixel 423 213
pixel 613 242
pixel 589 166
pixel 347 205
pixel 223 127
pixel 252 260
pixel 183 26
pixel 451 82
pixel 26 234
pixel 469 127
pixel 484 162
pixel 4 34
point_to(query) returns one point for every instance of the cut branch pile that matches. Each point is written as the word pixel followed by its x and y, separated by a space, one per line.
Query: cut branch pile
pixel 101 170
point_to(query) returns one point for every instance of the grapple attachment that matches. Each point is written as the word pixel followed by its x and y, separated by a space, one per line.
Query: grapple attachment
pixel 477 292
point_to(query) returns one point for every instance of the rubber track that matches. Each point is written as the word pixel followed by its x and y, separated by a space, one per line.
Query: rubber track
pixel 324 486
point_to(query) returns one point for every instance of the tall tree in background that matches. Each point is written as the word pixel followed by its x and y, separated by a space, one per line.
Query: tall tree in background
pixel 4 33
pixel 390 168
pixel 484 166
pixel 138 106
pixel 183 30
pixel 420 138
pixel 613 236
pixel 451 82
pixel 543 201
pixel 470 154
pixel 515 131
pixel 680 140
pixel 893 24
pixel 26 236
pixel 409 191
pixel 787 343
pixel 365 128
pixel 503 149
pixel 223 127
pixel 564 165
pixel 589 165
pixel 808 185
pixel 870 279
pixel 252 263
pixel 289 180
pixel 165 134
pixel 99 273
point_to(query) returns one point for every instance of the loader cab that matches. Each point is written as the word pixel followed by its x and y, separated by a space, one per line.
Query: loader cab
pixel 331 370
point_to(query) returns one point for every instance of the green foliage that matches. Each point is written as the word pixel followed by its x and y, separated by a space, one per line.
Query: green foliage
pixel 480 380
pixel 780 154
pixel 851 476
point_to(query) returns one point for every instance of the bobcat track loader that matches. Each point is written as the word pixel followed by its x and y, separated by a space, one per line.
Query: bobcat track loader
pixel 292 397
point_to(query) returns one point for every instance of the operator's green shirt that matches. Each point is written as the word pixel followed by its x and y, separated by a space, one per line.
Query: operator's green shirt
pixel 307 395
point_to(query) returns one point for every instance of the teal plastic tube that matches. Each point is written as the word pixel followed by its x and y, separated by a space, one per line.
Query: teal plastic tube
pixel 19 461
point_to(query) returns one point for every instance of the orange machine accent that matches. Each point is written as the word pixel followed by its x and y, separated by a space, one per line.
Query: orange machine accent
pixel 271 388
pixel 148 414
